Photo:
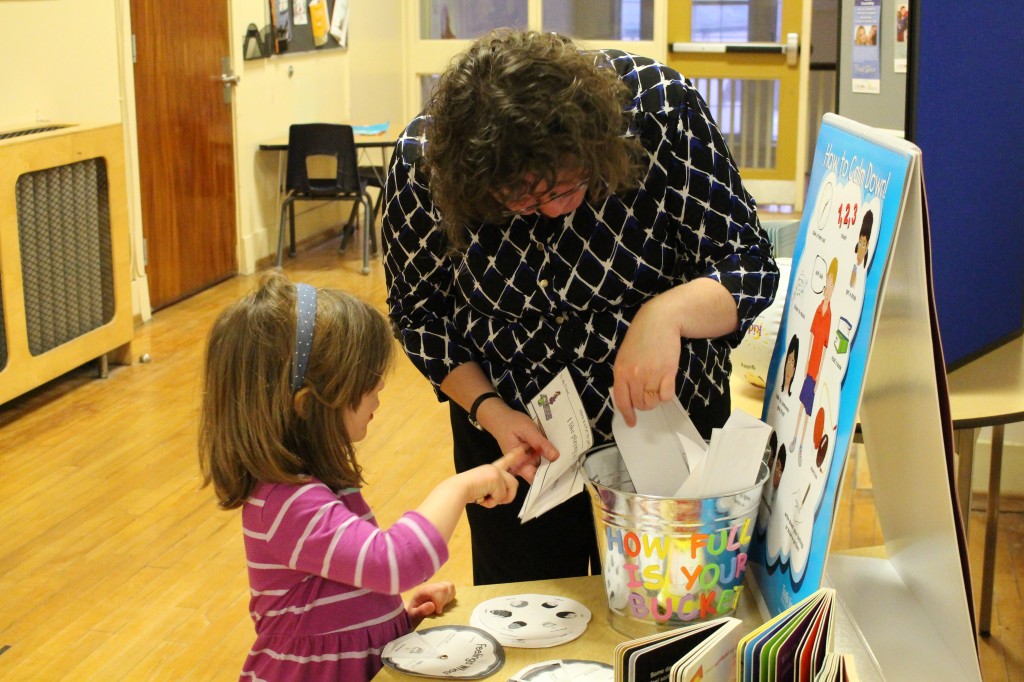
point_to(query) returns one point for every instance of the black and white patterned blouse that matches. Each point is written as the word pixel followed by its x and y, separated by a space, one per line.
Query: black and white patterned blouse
pixel 537 294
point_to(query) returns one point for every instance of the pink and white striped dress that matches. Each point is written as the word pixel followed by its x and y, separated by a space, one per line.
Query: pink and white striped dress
pixel 325 581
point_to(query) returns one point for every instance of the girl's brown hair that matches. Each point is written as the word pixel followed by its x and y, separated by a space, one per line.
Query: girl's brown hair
pixel 250 429
pixel 518 104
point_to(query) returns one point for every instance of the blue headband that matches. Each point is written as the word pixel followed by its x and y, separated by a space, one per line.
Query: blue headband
pixel 305 319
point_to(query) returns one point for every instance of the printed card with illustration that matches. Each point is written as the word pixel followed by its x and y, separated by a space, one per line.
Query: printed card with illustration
pixel 559 412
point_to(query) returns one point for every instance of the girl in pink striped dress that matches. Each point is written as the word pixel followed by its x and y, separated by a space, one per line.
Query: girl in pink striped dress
pixel 291 382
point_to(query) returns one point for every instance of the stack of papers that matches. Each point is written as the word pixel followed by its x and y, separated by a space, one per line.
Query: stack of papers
pixel 666 456
pixel 531 621
pixel 664 453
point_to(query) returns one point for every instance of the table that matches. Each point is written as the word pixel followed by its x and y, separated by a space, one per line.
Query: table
pixel 596 644
pixel 988 391
pixel 383 142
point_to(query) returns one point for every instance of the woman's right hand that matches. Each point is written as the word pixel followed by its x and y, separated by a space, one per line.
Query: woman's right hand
pixel 515 430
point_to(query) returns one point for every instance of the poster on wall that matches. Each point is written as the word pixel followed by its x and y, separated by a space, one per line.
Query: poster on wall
pixel 866 68
pixel 900 37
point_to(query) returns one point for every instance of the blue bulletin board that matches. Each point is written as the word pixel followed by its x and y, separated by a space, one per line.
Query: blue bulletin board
pixel 964 103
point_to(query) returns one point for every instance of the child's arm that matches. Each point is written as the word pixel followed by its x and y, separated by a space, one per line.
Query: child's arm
pixel 488 485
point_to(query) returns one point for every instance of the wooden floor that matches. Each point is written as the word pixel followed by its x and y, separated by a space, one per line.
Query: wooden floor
pixel 114 565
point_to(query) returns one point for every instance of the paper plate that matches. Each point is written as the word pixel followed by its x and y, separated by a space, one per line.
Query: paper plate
pixel 560 671
pixel 448 651
pixel 531 620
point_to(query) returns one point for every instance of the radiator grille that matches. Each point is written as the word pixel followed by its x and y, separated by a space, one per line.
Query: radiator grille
pixel 66 263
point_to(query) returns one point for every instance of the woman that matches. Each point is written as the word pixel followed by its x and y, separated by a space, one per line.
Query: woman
pixel 557 208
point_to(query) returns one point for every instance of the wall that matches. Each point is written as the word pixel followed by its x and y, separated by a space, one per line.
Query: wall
pixel 885 109
pixel 336 86
pixel 72 76
pixel 87 50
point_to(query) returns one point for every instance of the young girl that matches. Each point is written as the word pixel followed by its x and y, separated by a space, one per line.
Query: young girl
pixel 291 382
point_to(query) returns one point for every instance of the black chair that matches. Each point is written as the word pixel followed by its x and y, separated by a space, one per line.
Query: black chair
pixel 371 176
pixel 322 166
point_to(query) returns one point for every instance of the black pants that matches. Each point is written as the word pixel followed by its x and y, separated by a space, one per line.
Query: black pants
pixel 558 544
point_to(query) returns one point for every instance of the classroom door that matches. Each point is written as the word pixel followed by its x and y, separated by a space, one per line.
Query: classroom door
pixel 186 145
pixel 750 60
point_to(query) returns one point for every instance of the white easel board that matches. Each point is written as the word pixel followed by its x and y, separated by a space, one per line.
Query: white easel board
pixel 859 341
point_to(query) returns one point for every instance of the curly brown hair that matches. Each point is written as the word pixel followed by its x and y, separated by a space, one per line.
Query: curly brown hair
pixel 518 105
pixel 250 428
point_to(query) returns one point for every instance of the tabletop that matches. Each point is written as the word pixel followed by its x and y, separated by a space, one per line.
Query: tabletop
pixel 990 389
pixel 596 644
pixel 384 140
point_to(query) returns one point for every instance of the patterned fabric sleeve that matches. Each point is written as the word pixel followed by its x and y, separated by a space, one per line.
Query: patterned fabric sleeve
pixel 732 246
pixel 314 532
pixel 419 277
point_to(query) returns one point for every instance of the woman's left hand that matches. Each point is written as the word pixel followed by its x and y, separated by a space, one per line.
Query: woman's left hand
pixel 647 362
pixel 648 359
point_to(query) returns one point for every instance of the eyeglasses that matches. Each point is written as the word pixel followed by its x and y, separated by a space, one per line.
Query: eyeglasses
pixel 554 196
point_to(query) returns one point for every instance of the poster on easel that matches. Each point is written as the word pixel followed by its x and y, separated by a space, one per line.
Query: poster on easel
pixel 817 369
pixel 858 341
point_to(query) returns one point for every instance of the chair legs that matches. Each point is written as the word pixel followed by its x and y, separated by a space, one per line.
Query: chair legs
pixel 369 239
pixel 287 209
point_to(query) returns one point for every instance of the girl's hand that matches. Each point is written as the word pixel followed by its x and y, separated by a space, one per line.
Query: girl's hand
pixel 429 600
pixel 492 484
pixel 515 431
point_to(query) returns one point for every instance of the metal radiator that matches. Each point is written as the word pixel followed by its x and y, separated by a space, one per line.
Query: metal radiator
pixel 66 267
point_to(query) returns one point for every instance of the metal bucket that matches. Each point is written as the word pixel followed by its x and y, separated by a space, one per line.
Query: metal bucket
pixel 668 562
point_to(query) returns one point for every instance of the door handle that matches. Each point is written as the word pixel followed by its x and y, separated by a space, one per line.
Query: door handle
pixel 228 78
pixel 790 48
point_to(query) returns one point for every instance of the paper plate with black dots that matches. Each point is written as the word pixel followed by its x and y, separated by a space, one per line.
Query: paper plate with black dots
pixel 531 620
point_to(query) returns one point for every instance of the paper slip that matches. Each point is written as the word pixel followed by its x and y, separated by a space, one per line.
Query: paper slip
pixel 558 411
pixel 661 450
pixel 733 459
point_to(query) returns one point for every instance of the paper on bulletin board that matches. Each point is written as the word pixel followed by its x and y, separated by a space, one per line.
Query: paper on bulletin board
pixel 900 37
pixel 866 71
pixel 339 22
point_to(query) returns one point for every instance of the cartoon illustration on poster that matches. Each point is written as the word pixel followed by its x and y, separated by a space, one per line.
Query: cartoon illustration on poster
pixel 817 369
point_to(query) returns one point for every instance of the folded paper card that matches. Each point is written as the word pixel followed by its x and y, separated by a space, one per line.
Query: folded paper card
pixel 558 411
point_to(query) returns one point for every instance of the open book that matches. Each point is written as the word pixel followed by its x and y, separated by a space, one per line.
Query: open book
pixel 795 645
pixel 704 651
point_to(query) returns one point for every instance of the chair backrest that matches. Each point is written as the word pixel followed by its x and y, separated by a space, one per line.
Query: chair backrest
pixel 310 143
